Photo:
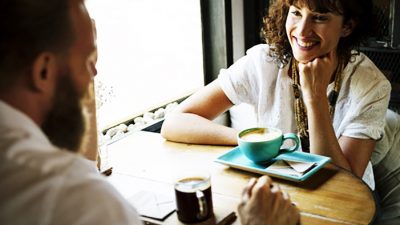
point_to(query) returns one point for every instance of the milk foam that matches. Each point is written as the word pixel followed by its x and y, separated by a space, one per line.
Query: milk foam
pixel 258 136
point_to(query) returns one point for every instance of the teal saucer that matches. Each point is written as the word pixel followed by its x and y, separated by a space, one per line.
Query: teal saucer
pixel 234 158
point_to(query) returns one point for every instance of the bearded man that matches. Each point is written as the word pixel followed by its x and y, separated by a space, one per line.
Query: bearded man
pixel 47 53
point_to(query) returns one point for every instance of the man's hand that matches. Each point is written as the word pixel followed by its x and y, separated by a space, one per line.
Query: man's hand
pixel 263 203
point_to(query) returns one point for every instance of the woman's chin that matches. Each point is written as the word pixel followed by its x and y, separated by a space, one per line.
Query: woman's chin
pixel 304 59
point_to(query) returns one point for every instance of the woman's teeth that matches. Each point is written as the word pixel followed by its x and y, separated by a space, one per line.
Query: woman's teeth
pixel 306 44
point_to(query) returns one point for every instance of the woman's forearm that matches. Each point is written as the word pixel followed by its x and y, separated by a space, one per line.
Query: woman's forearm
pixel 323 140
pixel 191 128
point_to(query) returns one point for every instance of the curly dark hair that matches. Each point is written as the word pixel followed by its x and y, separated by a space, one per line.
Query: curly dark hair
pixel 274 32
pixel 29 27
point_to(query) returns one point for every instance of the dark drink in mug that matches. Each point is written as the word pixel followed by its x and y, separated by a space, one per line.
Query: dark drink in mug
pixel 193 199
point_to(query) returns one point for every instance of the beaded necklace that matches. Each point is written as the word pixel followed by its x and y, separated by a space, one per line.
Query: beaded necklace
pixel 300 110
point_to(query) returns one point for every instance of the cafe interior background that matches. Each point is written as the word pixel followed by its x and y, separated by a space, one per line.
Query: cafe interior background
pixel 153 54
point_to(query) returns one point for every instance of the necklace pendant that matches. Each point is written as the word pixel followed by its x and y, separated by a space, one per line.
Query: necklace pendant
pixel 296 91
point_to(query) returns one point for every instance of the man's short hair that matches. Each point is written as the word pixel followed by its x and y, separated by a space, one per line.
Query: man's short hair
pixel 27 28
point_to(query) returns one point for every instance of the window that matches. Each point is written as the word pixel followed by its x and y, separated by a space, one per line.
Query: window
pixel 150 52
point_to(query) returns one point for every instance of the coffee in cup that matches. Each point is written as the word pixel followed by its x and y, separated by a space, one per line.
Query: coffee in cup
pixel 261 144
pixel 260 135
pixel 193 198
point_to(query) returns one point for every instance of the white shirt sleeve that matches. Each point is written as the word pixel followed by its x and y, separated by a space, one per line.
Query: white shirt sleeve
pixel 92 200
pixel 242 81
pixel 367 101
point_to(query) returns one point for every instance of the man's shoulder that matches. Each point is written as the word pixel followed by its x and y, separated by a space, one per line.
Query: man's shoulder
pixel 92 198
pixel 64 187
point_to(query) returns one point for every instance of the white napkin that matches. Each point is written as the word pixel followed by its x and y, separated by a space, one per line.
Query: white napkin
pixel 153 205
pixel 289 167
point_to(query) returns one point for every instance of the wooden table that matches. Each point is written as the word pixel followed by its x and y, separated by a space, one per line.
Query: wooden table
pixel 146 161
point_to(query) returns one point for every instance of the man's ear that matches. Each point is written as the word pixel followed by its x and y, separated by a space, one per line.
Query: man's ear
pixel 348 27
pixel 44 70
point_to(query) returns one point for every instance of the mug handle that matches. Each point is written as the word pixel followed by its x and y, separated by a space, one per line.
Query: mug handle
pixel 202 205
pixel 295 138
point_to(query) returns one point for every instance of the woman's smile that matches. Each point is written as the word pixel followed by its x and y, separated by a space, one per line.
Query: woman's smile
pixel 305 44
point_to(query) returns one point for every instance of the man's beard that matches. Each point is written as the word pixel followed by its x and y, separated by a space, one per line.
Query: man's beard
pixel 65 122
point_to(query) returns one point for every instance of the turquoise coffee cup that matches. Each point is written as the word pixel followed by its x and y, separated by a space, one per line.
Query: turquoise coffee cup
pixel 261 144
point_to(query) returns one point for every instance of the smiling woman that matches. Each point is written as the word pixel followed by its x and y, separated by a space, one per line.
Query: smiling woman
pixel 309 78
pixel 150 53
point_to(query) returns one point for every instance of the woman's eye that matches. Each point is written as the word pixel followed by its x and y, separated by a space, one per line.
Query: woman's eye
pixel 296 13
pixel 320 18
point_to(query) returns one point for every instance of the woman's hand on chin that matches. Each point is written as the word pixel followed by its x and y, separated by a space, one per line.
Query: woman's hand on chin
pixel 316 75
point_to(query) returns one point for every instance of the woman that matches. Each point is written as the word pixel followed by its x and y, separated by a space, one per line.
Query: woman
pixel 308 73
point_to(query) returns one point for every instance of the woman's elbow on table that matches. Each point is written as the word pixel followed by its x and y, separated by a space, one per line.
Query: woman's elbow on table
pixel 169 128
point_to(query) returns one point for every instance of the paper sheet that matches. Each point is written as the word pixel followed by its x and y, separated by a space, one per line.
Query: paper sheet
pixel 295 168
pixel 153 205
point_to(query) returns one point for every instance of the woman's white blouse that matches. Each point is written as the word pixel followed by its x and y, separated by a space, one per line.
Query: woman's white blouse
pixel 257 79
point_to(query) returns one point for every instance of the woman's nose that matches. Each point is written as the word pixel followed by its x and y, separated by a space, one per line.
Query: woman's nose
pixel 304 27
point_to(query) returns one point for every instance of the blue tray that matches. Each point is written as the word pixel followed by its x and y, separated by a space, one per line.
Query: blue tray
pixel 236 159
